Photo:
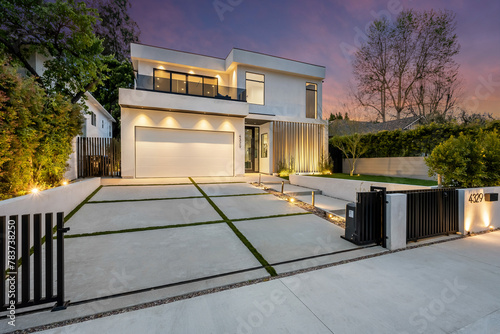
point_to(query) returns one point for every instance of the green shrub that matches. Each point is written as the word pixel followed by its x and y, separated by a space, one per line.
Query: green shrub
pixel 467 160
pixel 325 165
pixel 36 130
pixel 418 142
pixel 285 169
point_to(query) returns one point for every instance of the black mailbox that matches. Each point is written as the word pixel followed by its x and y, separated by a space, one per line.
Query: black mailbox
pixel 491 197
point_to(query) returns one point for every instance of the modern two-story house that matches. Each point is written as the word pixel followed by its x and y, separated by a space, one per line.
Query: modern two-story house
pixel 195 115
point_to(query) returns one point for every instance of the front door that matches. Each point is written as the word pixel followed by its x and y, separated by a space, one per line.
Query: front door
pixel 251 149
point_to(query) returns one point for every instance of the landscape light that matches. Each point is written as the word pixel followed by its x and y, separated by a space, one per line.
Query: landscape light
pixel 292 199
pixel 35 190
pixel 65 183
pixel 330 216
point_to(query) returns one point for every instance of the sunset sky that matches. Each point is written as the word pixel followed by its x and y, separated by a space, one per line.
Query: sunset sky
pixel 323 33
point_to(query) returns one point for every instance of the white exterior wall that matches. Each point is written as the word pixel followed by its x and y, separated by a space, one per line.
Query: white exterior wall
pixel 345 189
pixel 132 118
pixel 98 130
pixel 412 167
pixel 60 199
pixel 285 93
pixel 477 215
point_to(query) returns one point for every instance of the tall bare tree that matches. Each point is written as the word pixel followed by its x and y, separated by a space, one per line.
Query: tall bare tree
pixel 399 55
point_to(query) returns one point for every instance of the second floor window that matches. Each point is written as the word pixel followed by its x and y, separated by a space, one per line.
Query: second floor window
pixel 180 83
pixel 311 100
pixel 93 119
pixel 255 88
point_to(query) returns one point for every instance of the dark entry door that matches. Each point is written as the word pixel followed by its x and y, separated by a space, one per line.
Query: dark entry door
pixel 251 149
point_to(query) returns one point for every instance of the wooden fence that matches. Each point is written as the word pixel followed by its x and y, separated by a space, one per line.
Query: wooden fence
pixel 98 157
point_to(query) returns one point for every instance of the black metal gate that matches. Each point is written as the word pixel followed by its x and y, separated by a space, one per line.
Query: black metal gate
pixel 430 212
pixel 19 276
pixel 370 217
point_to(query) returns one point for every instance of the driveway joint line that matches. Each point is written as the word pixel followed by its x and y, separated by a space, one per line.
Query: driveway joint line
pixel 141 229
pixel 142 199
pixel 307 307
pixel 238 233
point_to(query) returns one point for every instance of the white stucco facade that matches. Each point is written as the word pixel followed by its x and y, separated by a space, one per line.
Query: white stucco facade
pixel 161 100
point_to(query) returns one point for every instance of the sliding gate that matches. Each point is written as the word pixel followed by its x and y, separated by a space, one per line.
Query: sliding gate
pixel 27 261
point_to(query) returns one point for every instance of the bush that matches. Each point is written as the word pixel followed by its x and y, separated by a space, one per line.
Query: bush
pixel 325 165
pixel 285 169
pixel 35 133
pixel 418 142
pixel 468 160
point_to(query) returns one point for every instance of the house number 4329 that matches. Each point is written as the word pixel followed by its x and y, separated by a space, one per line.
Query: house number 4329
pixel 476 198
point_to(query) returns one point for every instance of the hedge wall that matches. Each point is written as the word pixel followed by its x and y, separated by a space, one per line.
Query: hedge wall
pixel 417 142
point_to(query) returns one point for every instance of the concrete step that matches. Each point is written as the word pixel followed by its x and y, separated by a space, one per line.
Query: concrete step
pixel 327 203
pixel 292 190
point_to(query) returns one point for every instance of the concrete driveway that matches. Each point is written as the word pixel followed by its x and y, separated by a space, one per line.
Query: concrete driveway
pixel 133 244
pixel 131 238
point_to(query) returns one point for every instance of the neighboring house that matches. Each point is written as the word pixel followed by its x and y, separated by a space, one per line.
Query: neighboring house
pixel 341 127
pixel 98 121
pixel 195 115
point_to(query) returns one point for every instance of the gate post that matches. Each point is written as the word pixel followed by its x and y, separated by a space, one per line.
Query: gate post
pixel 396 221
pixel 61 304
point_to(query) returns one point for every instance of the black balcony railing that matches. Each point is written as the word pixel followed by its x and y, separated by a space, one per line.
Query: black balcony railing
pixel 185 87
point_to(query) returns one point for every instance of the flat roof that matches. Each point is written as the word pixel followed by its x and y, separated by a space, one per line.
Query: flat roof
pixel 236 55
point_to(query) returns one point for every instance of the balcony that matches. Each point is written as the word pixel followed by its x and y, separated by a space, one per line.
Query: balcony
pixel 191 88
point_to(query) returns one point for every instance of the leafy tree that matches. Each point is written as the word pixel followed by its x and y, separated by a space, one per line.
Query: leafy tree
pixel 117 30
pixel 349 141
pixel 115 27
pixel 122 76
pixel 467 161
pixel 406 59
pixel 61 31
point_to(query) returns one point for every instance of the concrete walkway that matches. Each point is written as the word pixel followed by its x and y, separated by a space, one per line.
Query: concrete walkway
pixel 450 287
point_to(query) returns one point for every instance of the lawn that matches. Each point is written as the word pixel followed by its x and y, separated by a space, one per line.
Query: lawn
pixel 379 178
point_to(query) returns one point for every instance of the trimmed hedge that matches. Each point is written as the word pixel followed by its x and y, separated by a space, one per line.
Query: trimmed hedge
pixel 417 142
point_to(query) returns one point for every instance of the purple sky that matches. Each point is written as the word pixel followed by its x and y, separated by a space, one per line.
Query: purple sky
pixel 318 31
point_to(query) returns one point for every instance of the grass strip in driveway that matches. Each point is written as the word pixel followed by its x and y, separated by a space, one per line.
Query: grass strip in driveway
pixel 85 201
pixel 240 235
pixel 141 200
pixel 140 229
pixel 66 218
pixel 236 195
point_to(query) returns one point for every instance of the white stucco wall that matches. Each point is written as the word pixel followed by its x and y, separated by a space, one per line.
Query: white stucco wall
pixel 412 167
pixel 345 189
pixel 474 213
pixel 130 118
pixel 60 199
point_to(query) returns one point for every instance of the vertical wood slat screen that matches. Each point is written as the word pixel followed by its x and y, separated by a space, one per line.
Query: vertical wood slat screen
pixel 299 144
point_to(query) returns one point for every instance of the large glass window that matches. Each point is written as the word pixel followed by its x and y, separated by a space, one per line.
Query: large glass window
pixel 311 100
pixel 195 85
pixel 255 88
pixel 178 83
pixel 162 80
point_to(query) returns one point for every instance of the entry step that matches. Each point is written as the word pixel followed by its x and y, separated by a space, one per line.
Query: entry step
pixel 293 190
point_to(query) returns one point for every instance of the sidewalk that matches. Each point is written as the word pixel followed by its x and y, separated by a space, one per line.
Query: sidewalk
pixel 450 287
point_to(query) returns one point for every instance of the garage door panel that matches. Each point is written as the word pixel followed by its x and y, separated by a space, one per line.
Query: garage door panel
pixel 174 153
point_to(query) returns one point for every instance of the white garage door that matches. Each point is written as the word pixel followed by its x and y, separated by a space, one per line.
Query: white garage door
pixel 174 153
